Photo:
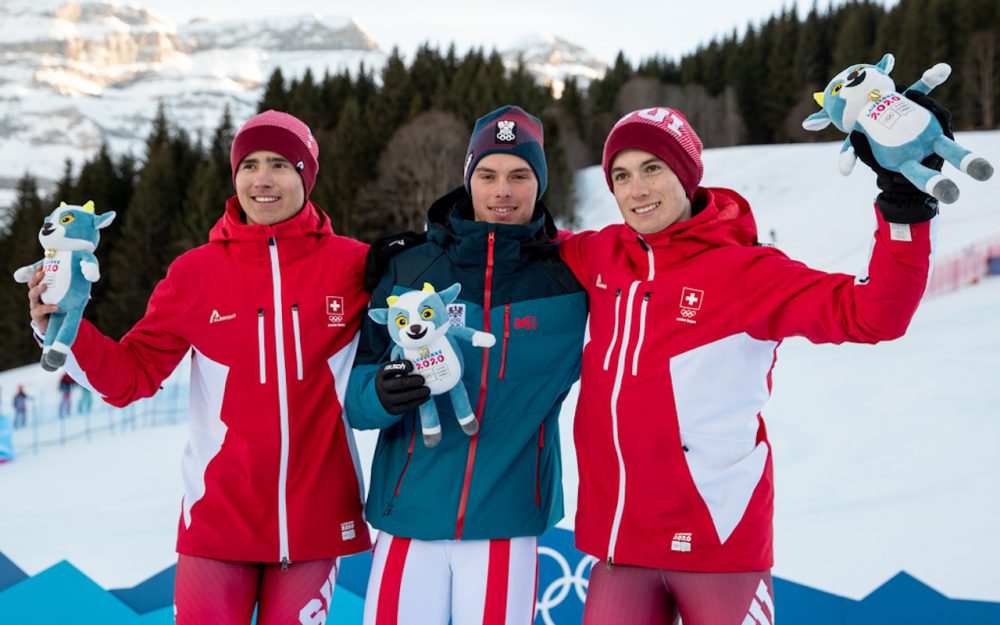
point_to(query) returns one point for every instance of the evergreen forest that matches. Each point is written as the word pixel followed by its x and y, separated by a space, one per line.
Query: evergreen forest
pixel 393 141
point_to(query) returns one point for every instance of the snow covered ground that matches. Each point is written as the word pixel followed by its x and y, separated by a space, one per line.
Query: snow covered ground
pixel 886 457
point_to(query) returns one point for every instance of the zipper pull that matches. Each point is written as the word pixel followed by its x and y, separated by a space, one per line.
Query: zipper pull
pixel 271 241
pixel 609 563
pixel 387 510
pixel 284 563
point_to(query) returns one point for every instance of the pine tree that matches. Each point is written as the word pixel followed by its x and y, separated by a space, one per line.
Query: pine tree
pixel 275 97
pixel 19 246
pixel 147 233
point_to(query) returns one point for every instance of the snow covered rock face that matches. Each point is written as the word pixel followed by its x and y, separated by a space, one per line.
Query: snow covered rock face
pixel 79 74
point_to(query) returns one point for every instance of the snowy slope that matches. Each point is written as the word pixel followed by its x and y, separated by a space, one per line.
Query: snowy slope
pixel 885 457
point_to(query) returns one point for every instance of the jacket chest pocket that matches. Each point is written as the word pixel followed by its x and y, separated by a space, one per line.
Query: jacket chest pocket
pixel 540 337
pixel 619 322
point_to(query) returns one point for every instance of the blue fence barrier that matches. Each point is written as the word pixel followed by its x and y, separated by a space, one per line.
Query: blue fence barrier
pixel 52 421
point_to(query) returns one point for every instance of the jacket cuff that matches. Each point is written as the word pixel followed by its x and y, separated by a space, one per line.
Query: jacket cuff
pixel 906 208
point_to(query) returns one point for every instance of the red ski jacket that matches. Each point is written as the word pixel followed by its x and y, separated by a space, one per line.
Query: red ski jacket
pixel 272 313
pixel 674 461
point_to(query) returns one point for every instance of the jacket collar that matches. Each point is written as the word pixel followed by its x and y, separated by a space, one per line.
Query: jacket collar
pixel 305 230
pixel 451 225
pixel 723 217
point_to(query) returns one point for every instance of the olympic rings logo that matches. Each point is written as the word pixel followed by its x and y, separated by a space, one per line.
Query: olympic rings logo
pixel 556 592
pixel 688 313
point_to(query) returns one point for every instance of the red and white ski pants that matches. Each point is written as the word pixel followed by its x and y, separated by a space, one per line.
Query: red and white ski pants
pixel 470 582
pixel 640 596
pixel 223 592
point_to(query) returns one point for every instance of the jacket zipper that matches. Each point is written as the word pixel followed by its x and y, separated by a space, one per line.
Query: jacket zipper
pixel 649 253
pixel 473 443
pixel 260 346
pixel 538 465
pixel 615 391
pixel 614 337
pixel 409 456
pixel 279 334
pixel 642 334
pixel 298 341
pixel 506 337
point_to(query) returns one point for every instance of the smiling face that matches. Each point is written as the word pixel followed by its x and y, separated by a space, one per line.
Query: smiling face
pixel 649 195
pixel 504 188
pixel 269 188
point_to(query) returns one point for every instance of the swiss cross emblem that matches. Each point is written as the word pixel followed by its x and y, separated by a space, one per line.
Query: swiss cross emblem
pixel 690 304
pixel 691 298
pixel 334 311
pixel 506 131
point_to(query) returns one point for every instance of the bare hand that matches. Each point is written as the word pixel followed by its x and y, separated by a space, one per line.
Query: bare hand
pixel 39 312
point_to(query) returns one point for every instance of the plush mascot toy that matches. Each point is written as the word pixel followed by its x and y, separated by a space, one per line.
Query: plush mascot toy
pixel 69 237
pixel 418 324
pixel 901 132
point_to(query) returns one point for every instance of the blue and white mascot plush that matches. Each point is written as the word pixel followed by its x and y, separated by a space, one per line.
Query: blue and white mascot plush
pixel 901 132
pixel 418 323
pixel 69 237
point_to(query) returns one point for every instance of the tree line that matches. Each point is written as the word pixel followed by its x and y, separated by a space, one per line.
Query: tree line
pixel 393 142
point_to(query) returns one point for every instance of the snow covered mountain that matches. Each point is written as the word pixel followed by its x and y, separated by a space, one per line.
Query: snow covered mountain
pixel 77 74
pixel 554 60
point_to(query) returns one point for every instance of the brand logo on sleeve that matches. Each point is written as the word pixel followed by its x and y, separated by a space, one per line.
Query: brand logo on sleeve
pixel 334 311
pixel 690 304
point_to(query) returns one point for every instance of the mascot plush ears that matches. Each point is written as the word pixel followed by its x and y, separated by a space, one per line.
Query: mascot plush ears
pixel 901 132
pixel 418 324
pixel 69 237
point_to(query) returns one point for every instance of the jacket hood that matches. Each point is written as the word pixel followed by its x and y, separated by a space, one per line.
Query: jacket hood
pixel 724 218
pixel 450 224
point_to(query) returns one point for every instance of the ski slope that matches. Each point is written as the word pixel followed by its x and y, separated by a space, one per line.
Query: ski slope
pixel 885 456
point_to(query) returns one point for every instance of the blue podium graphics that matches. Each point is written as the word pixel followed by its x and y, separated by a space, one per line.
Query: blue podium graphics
pixel 62 594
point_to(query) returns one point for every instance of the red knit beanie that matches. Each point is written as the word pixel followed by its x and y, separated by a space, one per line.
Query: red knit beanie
pixel 284 134
pixel 663 132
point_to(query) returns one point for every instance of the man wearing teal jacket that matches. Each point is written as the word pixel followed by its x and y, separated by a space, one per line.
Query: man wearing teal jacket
pixel 459 521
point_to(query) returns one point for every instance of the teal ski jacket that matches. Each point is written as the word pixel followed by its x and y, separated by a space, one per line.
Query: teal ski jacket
pixel 504 481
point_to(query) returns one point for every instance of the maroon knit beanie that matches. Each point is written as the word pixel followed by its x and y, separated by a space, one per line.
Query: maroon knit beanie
pixel 508 130
pixel 663 132
pixel 284 134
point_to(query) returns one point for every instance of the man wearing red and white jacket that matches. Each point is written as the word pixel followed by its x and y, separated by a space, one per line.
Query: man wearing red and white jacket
pixel 271 308
pixel 686 313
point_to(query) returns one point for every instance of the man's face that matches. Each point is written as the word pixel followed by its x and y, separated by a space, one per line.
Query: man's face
pixel 269 188
pixel 503 189
pixel 648 193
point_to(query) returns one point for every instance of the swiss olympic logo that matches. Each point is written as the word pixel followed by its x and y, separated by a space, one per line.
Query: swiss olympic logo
pixel 334 311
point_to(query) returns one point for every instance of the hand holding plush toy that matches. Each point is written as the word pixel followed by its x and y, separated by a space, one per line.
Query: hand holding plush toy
pixel 69 237
pixel 863 98
pixel 418 324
